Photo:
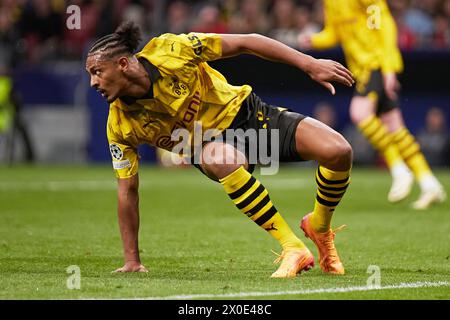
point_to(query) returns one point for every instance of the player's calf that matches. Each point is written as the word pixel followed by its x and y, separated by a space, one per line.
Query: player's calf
pixel 224 162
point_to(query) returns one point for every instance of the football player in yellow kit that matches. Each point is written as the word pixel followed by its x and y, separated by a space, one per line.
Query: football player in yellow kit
pixel 169 85
pixel 368 35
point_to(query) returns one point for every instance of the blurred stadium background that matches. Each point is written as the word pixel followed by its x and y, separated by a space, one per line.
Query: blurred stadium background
pixel 59 119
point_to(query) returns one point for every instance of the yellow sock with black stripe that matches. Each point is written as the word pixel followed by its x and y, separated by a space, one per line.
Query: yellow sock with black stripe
pixel 331 187
pixel 380 138
pixel 411 154
pixel 250 196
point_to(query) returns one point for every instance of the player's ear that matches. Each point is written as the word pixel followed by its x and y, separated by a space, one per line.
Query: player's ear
pixel 124 63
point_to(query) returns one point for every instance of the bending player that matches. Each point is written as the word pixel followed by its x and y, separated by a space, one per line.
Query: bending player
pixel 169 85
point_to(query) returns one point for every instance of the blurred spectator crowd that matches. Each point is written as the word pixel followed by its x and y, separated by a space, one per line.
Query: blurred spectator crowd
pixel 35 30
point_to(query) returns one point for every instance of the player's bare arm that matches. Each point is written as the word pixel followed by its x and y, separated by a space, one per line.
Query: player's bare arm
pixel 391 85
pixel 320 70
pixel 128 212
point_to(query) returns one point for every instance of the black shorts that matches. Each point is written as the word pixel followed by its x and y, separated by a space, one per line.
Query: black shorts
pixel 374 88
pixel 258 115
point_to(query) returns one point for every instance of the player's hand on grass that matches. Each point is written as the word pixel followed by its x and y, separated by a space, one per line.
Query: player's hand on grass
pixel 391 85
pixel 326 71
pixel 132 266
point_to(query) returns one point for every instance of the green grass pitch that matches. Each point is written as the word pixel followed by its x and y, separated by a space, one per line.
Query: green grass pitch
pixel 194 241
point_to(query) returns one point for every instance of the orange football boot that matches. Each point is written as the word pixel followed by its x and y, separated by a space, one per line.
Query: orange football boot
pixel 293 261
pixel 328 257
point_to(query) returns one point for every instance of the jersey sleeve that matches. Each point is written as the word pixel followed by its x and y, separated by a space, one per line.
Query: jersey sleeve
pixel 195 47
pixel 125 159
pixel 203 46
pixel 327 38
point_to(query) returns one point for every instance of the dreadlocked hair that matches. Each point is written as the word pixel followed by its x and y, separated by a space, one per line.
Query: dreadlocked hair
pixel 124 40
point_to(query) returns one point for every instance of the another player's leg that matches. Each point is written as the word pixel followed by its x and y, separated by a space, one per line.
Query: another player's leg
pixel 316 141
pixel 362 113
pixel 431 190
pixel 228 165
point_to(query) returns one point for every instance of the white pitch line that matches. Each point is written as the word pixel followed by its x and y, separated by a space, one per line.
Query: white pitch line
pixel 302 292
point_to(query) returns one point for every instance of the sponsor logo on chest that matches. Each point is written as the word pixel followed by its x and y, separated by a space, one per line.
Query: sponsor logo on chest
pixel 186 118
pixel 189 114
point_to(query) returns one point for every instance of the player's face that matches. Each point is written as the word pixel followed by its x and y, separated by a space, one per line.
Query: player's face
pixel 106 77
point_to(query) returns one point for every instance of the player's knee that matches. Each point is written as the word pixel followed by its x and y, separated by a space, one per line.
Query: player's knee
pixel 220 160
pixel 219 166
pixel 361 108
pixel 346 152
pixel 339 156
pixel 357 116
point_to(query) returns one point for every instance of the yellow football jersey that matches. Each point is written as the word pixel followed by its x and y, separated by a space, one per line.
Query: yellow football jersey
pixel 367 33
pixel 185 89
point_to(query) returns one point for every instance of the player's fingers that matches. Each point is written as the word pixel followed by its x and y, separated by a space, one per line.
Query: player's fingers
pixel 344 69
pixel 390 90
pixel 342 79
pixel 346 76
pixel 329 86
pixel 391 94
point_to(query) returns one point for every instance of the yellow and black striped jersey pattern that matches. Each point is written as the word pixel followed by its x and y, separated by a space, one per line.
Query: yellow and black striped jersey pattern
pixel 185 89
pixel 367 33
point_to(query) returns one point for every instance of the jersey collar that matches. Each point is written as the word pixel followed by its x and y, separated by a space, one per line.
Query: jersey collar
pixel 152 71
pixel 153 74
